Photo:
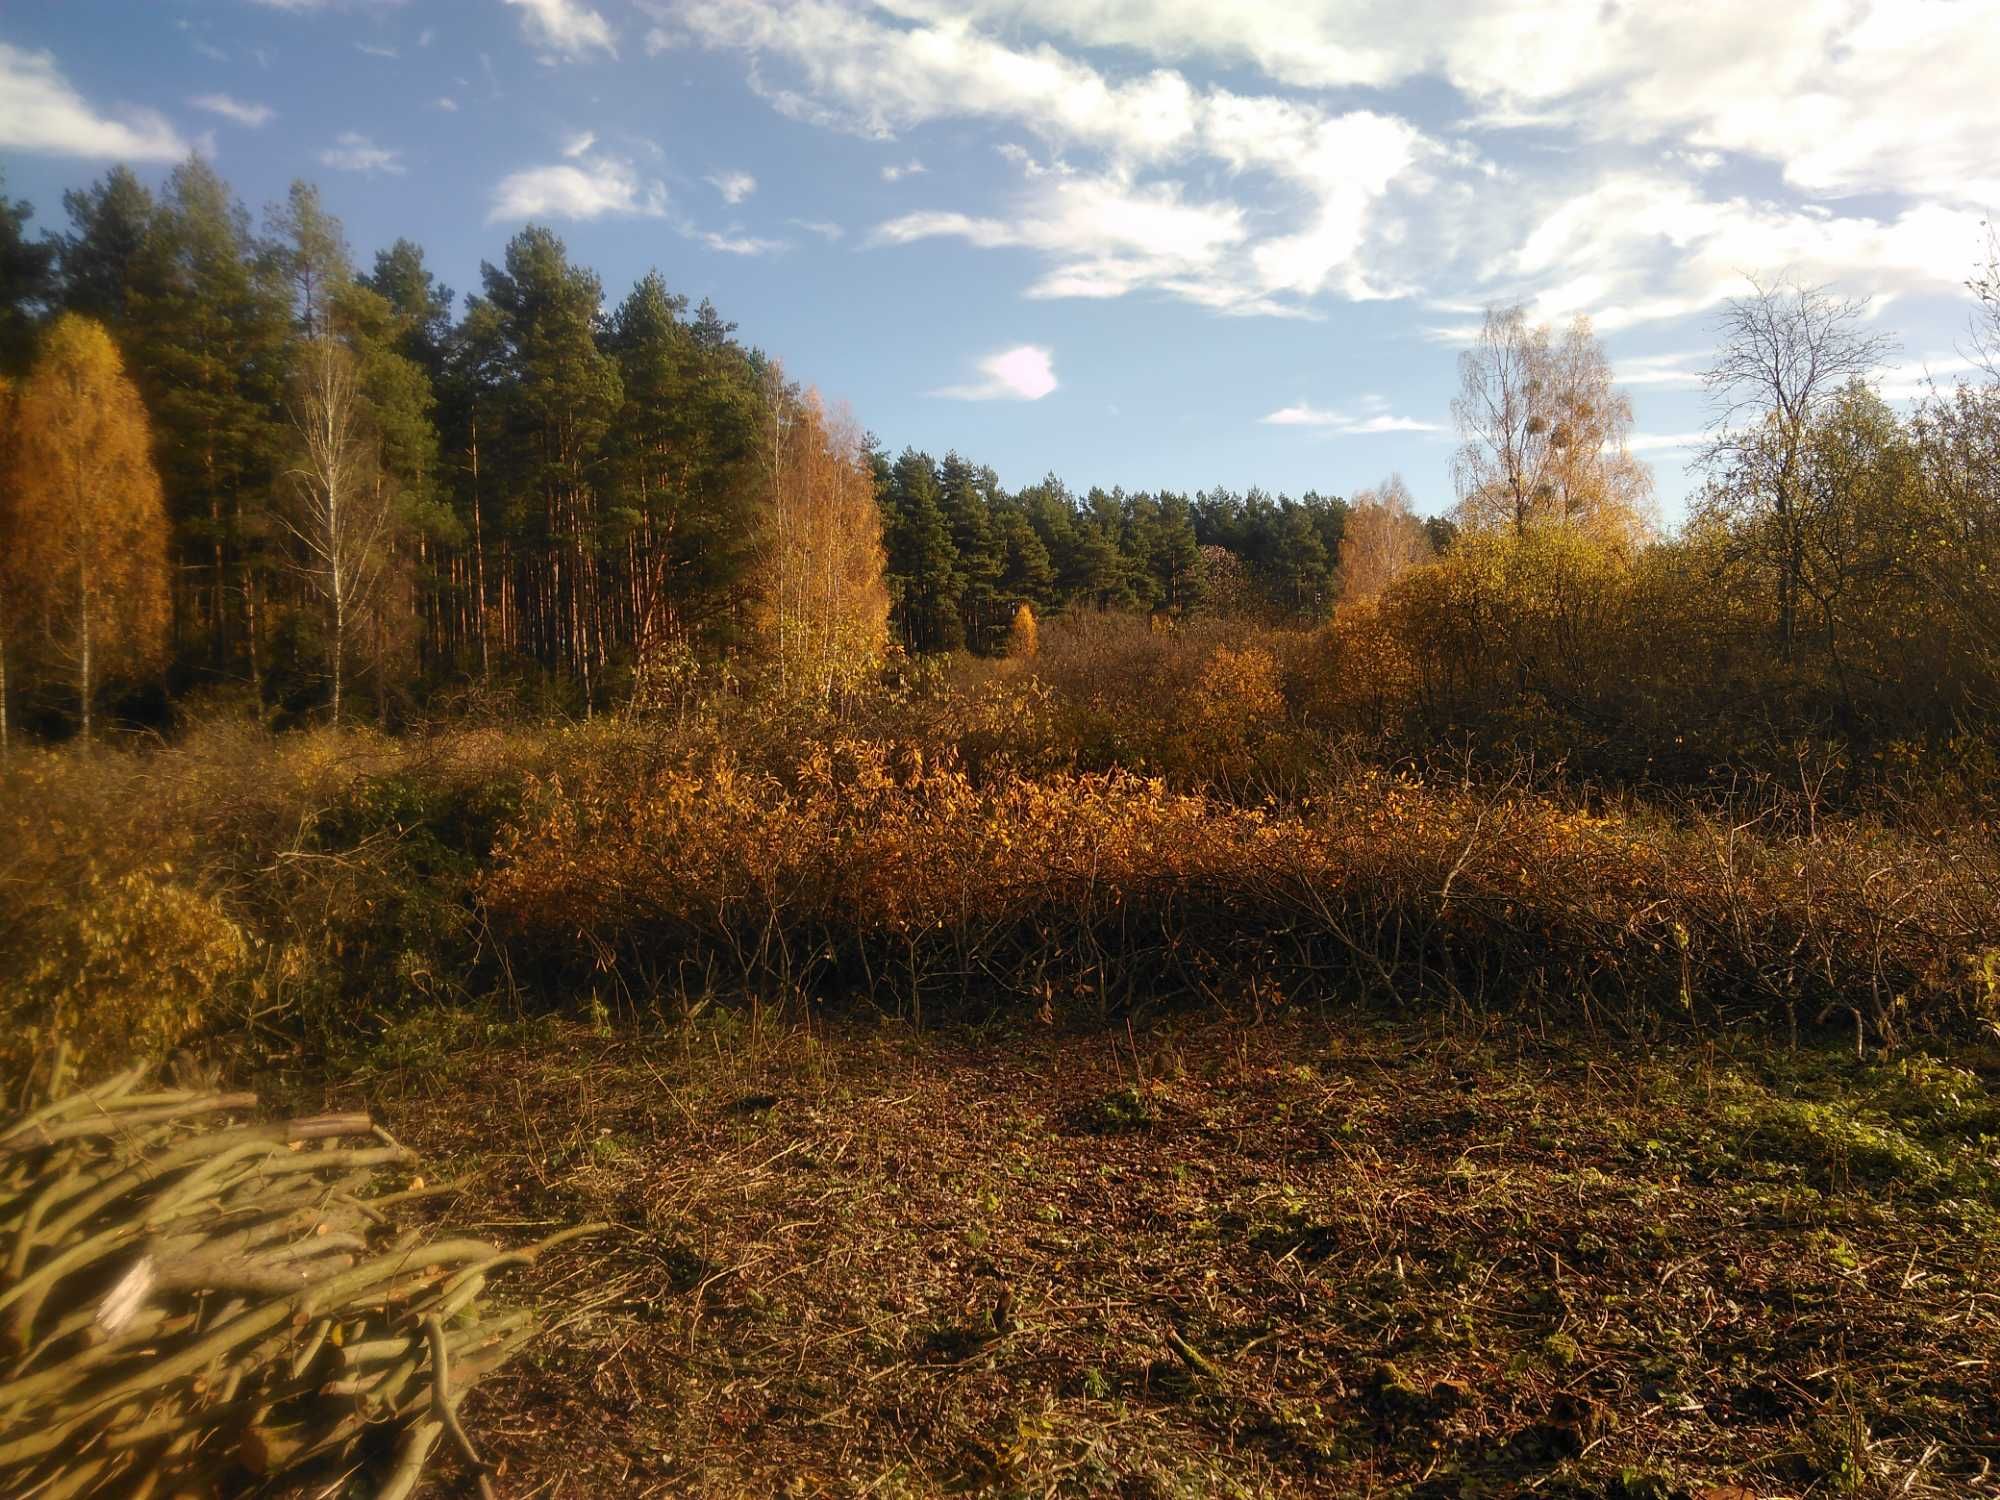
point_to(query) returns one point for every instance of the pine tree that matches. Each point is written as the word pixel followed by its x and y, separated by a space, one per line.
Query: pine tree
pixel 688 508
pixel 1173 556
pixel 420 302
pixel 104 259
pixel 27 281
pixel 922 559
pixel 209 343
pixel 965 493
pixel 560 395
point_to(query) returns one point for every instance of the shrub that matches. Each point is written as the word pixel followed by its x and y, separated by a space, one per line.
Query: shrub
pixel 876 870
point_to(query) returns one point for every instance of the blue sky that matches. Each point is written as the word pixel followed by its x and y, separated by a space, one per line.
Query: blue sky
pixel 1151 242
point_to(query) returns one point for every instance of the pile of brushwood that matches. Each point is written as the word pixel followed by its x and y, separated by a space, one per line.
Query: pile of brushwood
pixel 192 1306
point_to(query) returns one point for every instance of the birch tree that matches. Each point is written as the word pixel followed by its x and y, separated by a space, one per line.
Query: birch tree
pixel 1542 433
pixel 1382 540
pixel 86 529
pixel 826 607
pixel 342 509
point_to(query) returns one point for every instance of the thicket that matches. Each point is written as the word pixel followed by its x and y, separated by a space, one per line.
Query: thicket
pixel 1014 835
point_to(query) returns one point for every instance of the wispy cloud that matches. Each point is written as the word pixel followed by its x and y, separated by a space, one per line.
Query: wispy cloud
pixel 40 111
pixel 825 229
pixel 579 143
pixel 565 28
pixel 1024 373
pixel 1654 442
pixel 593 188
pixel 1916 379
pixel 734 186
pixel 736 244
pixel 1373 417
pixel 448 104
pixel 1663 369
pixel 375 49
pixel 897 171
pixel 252 115
pixel 352 151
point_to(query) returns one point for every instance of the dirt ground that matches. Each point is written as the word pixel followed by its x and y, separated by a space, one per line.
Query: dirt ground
pixel 1355 1257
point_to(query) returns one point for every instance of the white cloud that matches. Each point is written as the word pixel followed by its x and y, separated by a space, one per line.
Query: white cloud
pixel 1627 204
pixel 736 244
pixel 734 186
pixel 1106 236
pixel 352 151
pixel 591 189
pixel 1638 246
pixel 1330 173
pixel 825 229
pixel 1916 379
pixel 577 144
pixel 448 104
pixel 40 111
pixel 252 115
pixel 1025 373
pixel 1654 442
pixel 897 171
pixel 1373 417
pixel 566 28
pixel 426 36
pixel 374 50
pixel 1684 368
pixel 1845 95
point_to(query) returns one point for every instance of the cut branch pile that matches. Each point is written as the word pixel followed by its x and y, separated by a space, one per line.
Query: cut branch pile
pixel 189 1306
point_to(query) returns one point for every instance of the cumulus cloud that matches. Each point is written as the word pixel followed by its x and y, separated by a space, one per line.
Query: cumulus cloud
pixel 734 186
pixel 1025 373
pixel 1373 416
pixel 594 188
pixel 352 151
pixel 1634 247
pixel 1330 171
pixel 1636 212
pixel 40 111
pixel 565 28
pixel 252 115
pixel 1824 88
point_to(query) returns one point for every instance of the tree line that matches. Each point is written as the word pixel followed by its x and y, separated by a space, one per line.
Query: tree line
pixel 239 463
pixel 360 480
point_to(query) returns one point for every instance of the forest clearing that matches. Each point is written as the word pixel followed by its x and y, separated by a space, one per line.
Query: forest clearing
pixel 1364 1255
pixel 575 924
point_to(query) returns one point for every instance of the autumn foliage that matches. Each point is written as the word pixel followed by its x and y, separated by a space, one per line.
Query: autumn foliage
pixel 863 869
pixel 85 529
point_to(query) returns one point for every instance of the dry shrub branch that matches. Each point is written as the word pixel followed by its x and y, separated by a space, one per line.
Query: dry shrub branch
pixel 187 1304
pixel 868 869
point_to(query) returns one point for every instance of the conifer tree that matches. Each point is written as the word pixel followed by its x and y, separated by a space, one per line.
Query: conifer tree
pixel 922 559
pixel 27 281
